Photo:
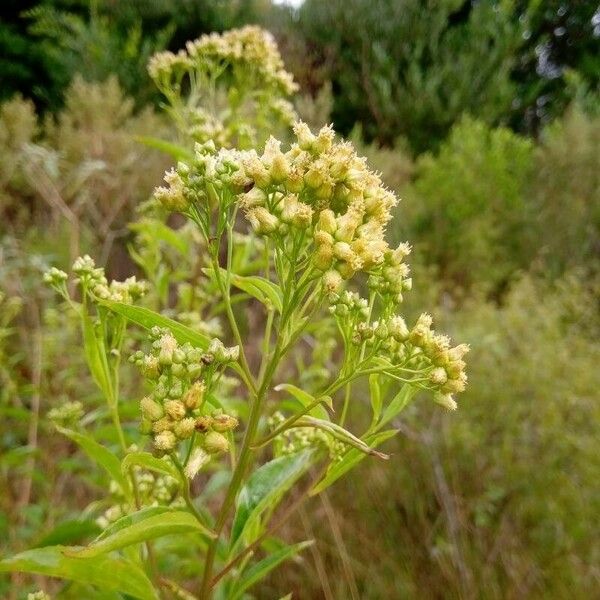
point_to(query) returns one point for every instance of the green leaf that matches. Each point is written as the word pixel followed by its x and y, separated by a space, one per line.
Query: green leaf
pixel 100 455
pixel 95 356
pixel 265 291
pixel 341 434
pixel 162 232
pixel 104 572
pixel 146 318
pixel 174 150
pixel 265 488
pixel 152 463
pixel 398 403
pixel 69 532
pixel 128 520
pixel 307 399
pixel 376 401
pixel 261 569
pixel 149 527
pixel 350 460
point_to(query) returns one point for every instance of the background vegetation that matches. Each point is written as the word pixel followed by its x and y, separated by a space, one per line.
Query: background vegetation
pixel 485 118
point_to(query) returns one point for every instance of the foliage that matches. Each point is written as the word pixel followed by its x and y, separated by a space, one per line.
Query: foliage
pixel 409 71
pixel 566 191
pixel 470 204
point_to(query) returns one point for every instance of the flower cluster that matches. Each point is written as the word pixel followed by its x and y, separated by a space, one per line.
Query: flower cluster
pixel 153 490
pixel 253 70
pixel 93 279
pixel 296 439
pixel 67 413
pixel 325 188
pixel 418 352
pixel 182 377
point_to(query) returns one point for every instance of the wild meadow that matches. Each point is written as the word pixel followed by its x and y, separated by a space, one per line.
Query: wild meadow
pixel 299 300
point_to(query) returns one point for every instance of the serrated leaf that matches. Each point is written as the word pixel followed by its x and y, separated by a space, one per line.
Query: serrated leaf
pixel 104 572
pixel 398 403
pixel 100 455
pixel 174 150
pixel 265 488
pixel 350 460
pixel 149 527
pixel 307 399
pixel 152 463
pixel 261 569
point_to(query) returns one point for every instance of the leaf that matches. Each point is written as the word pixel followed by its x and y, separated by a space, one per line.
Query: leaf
pixel 105 572
pixel 341 434
pixel 174 150
pixel 261 569
pixel 96 356
pixel 398 403
pixel 146 318
pixel 148 527
pixel 152 463
pixel 349 461
pixel 307 399
pixel 136 517
pixel 265 488
pixel 162 232
pixel 69 532
pixel 100 455
pixel 265 291
pixel 375 391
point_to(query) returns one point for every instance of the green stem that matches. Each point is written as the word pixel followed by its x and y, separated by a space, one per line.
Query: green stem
pixel 240 469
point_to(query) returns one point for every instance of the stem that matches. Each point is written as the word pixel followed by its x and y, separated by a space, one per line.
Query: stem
pixel 240 469
pixel 249 379
pixel 185 490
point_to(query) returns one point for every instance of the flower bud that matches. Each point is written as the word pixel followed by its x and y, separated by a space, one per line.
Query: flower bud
pixel 184 428
pixel 305 137
pixel 165 441
pixel 222 423
pixel 438 376
pixel 175 409
pixel 215 442
pixel 262 220
pixel 151 409
pixel 194 396
pixel 398 329
pixel 445 400
pixel 323 257
pixel 327 221
pixel 279 168
pixel 203 424
pixel 332 281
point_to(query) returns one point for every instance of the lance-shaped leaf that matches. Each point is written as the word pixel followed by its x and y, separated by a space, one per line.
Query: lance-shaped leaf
pixel 265 291
pixel 265 488
pixel 350 460
pixel 101 456
pixel 261 569
pixel 375 395
pixel 148 527
pixel 341 434
pixel 398 403
pixel 146 318
pixel 95 355
pixel 104 572
pixel 308 400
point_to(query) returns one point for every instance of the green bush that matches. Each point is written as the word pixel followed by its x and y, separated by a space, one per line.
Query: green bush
pixel 566 191
pixel 470 207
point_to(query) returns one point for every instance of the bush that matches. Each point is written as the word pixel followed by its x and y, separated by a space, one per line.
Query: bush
pixel 469 204
pixel 566 191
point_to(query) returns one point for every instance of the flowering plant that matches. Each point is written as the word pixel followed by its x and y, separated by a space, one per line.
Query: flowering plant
pixel 240 432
